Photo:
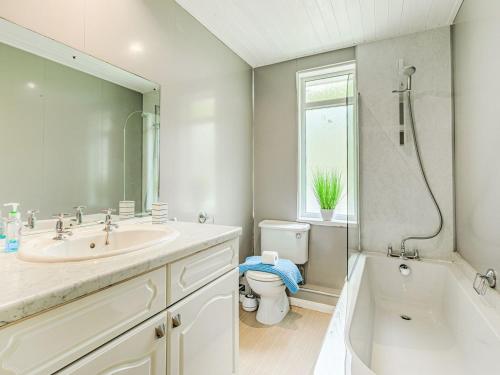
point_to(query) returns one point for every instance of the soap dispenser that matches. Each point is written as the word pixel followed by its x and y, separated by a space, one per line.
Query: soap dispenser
pixel 13 228
pixel 2 231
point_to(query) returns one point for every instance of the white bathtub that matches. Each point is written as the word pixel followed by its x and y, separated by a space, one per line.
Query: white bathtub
pixel 452 329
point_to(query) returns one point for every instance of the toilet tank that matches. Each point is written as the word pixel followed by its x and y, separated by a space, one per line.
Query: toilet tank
pixel 289 239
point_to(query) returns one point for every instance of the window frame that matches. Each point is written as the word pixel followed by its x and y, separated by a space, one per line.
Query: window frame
pixel 302 77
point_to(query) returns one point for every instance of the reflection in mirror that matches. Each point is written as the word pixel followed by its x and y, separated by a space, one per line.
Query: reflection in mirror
pixel 353 225
pixel 75 131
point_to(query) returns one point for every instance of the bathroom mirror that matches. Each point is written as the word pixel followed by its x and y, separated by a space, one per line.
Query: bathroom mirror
pixel 74 130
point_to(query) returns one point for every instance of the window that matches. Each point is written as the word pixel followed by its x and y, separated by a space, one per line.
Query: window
pixel 327 136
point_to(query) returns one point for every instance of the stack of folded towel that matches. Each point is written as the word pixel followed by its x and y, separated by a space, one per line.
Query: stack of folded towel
pixel 284 268
pixel 126 210
pixel 159 213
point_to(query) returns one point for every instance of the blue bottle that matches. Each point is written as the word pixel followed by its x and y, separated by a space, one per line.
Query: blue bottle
pixel 13 228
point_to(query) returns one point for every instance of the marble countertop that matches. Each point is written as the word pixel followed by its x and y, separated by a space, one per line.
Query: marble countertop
pixel 28 288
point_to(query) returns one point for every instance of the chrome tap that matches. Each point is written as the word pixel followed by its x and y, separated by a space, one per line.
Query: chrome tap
pixel 403 254
pixel 403 250
pixel 414 255
pixel 31 221
pixel 108 224
pixel 78 214
pixel 61 232
pixel 390 252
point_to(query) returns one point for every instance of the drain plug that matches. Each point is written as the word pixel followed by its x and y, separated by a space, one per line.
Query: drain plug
pixel 92 245
pixel 405 317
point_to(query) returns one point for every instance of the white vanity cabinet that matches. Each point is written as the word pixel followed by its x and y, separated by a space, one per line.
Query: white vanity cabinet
pixel 198 335
pixel 203 330
pixel 181 318
pixel 49 341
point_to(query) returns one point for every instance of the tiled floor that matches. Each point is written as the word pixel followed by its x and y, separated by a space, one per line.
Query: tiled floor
pixel 290 347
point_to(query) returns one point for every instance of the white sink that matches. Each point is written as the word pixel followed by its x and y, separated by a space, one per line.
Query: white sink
pixel 90 244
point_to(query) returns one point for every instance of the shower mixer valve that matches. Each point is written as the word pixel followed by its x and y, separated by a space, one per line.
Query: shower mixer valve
pixel 403 254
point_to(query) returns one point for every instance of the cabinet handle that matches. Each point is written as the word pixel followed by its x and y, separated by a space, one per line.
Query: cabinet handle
pixel 160 331
pixel 176 321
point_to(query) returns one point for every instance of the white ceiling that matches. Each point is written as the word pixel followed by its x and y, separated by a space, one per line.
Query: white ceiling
pixel 264 32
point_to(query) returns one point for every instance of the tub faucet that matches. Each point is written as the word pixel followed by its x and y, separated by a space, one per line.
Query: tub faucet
pixel 403 254
pixel 414 255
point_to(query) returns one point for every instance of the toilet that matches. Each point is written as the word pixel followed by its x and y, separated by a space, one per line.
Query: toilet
pixel 291 241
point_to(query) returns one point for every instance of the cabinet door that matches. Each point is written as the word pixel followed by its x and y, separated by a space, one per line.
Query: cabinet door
pixel 203 330
pixel 140 351
pixel 189 274
pixel 47 342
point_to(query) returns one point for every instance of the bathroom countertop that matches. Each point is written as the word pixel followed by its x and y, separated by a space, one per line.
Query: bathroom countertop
pixel 28 288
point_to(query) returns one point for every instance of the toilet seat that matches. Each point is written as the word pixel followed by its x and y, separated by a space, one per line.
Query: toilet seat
pixel 262 276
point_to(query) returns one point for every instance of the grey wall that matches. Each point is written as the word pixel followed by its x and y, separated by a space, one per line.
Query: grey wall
pixel 276 157
pixel 206 98
pixel 61 132
pixel 393 198
pixel 476 60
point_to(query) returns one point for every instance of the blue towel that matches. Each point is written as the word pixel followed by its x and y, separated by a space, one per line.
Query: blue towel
pixel 285 269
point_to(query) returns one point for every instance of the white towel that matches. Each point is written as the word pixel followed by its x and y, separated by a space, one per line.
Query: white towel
pixel 269 257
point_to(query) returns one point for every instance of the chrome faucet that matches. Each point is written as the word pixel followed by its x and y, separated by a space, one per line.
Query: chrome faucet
pixel 403 254
pixel 414 255
pixel 79 214
pixel 108 224
pixel 61 232
pixel 31 221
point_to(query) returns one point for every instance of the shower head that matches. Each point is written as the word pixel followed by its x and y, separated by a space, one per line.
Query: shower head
pixel 407 71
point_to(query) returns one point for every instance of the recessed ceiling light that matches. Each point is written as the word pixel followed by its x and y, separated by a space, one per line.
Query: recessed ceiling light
pixel 31 85
pixel 136 47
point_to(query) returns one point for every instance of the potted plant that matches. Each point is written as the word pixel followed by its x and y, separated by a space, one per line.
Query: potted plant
pixel 327 186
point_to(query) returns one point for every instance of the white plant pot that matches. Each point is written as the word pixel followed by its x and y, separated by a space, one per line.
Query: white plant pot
pixel 327 214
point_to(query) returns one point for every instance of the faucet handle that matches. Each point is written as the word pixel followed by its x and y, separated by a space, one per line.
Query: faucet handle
pixel 79 207
pixel 108 211
pixel 31 218
pixel 391 252
pixel 60 230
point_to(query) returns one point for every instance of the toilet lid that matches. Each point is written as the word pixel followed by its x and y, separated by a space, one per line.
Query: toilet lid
pixel 262 276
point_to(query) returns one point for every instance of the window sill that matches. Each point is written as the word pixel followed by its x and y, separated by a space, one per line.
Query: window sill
pixel 322 223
